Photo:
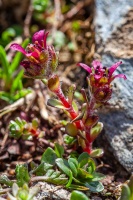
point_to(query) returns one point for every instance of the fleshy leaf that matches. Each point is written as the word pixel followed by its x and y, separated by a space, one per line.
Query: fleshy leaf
pixel 91 166
pixel 49 156
pixel 83 174
pixel 69 140
pixel 65 169
pixel 4 180
pixel 55 103
pixel 22 174
pixel 70 94
pixel 41 169
pixel 130 184
pixel 83 159
pixel 73 166
pixel 98 176
pixel 77 195
pixel 96 130
pixel 71 129
pixel 59 150
pixel 125 194
pixel 96 153
pixel 95 186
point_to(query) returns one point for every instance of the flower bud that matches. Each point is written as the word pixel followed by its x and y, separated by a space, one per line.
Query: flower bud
pixel 103 94
pixel 54 83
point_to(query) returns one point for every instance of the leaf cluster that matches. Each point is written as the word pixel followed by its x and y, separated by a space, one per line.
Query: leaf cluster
pixel 75 173
pixel 11 77
pixel 22 129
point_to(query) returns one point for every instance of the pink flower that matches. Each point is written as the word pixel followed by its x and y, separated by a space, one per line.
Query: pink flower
pixel 100 79
pixel 42 59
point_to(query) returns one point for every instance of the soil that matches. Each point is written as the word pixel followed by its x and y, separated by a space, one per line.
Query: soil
pixel 14 152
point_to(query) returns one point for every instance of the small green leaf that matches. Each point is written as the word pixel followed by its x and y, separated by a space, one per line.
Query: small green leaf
pixel 83 174
pixel 75 106
pixel 49 156
pixel 96 130
pixel 22 174
pixel 98 176
pixel 130 184
pixel 5 180
pixel 96 153
pixel 4 62
pixel 73 166
pixel 125 194
pixel 59 150
pixel 41 169
pixel 35 123
pixel 16 81
pixel 83 159
pixel 91 166
pixel 78 187
pixel 77 195
pixel 70 94
pixel 55 103
pixel 65 169
pixel 56 178
pixel 71 129
pixel 69 140
pixel 95 186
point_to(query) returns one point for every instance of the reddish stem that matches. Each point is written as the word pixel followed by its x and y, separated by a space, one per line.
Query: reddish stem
pixel 69 107
pixel 88 141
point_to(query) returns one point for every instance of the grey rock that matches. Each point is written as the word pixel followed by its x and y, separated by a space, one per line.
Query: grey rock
pixel 50 191
pixel 113 26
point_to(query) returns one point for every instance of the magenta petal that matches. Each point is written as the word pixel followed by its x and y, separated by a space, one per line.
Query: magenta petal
pixel 17 47
pixel 119 76
pixel 96 63
pixel 97 76
pixel 33 54
pixel 38 36
pixel 44 39
pixel 86 67
pixel 114 67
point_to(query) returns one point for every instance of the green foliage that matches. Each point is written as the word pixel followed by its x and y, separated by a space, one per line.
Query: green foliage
pixel 69 140
pixel 59 39
pixel 22 193
pixel 77 195
pixel 59 150
pixel 127 190
pixel 20 128
pixel 55 103
pixel 10 33
pixel 49 156
pixel 76 173
pixel 12 79
pixel 5 180
pixel 22 174
pixel 40 5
